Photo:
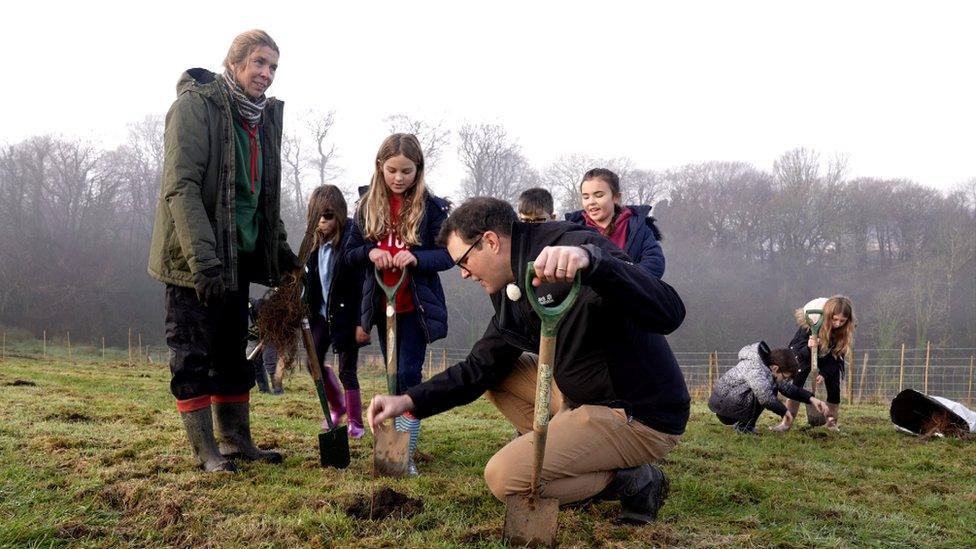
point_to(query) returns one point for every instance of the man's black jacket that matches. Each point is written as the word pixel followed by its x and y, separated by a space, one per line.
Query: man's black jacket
pixel 610 349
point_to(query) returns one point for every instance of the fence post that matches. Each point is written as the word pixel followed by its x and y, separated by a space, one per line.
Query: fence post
pixel 860 385
pixel 4 355
pixel 140 346
pixel 443 359
pixel 901 369
pixel 130 345
pixel 971 357
pixel 103 348
pixel 45 344
pixel 69 346
pixel 852 360
pixel 713 375
pixel 928 349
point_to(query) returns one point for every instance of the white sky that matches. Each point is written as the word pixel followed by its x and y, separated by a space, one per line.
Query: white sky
pixel 890 84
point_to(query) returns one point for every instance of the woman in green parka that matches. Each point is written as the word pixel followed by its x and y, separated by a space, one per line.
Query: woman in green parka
pixel 217 229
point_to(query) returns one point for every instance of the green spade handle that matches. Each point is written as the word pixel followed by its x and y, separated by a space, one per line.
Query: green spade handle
pixel 550 315
pixel 390 291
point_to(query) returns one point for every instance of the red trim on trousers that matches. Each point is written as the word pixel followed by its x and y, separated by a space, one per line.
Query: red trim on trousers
pixel 232 399
pixel 193 404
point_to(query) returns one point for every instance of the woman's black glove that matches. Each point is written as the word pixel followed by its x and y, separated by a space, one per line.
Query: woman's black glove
pixel 209 284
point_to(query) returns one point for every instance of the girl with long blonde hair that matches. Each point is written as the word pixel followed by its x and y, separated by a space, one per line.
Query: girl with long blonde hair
pixel 833 342
pixel 396 226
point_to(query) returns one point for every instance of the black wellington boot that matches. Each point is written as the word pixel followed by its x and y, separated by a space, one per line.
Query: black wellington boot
pixel 233 421
pixel 199 429
pixel 641 491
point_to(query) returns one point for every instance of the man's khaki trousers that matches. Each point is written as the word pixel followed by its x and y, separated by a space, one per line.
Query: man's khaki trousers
pixel 584 447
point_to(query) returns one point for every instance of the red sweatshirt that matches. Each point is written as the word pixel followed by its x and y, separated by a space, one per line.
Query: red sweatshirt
pixel 392 243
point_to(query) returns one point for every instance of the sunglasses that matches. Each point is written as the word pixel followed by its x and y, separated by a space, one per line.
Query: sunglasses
pixel 461 260
pixel 328 216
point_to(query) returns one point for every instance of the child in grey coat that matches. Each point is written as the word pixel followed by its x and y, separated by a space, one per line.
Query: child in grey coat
pixel 742 393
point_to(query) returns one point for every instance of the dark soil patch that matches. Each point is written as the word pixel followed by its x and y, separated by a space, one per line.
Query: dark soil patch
pixel 21 383
pixel 385 503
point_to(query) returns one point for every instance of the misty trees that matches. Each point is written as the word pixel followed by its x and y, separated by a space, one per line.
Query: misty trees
pixel 493 162
pixel 307 160
pixel 74 231
pixel 744 245
pixel 433 136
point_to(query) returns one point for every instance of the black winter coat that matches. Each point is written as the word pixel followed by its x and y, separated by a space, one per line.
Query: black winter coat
pixel 643 236
pixel 828 363
pixel 345 294
pixel 425 283
pixel 611 350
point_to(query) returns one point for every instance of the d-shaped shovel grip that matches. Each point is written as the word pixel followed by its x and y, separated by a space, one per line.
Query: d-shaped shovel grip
pixel 550 315
pixel 814 326
pixel 390 291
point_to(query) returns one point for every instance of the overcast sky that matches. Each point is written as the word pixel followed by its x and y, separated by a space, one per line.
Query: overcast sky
pixel 890 84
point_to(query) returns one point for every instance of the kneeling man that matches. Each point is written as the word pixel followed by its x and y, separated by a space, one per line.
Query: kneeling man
pixel 621 403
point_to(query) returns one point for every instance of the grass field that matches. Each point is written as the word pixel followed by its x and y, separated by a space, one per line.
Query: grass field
pixel 93 454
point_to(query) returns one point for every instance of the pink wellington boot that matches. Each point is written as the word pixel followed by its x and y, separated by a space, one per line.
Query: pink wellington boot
pixel 333 392
pixel 354 405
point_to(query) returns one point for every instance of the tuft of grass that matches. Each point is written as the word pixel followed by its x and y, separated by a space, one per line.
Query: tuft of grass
pixel 93 454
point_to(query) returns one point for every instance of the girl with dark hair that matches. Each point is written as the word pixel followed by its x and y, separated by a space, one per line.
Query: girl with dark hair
pixel 397 222
pixel 333 290
pixel 631 228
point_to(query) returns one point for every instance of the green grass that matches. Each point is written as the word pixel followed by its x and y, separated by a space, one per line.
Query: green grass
pixel 94 455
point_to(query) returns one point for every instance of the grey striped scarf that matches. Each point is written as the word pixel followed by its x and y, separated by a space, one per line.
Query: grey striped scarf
pixel 250 110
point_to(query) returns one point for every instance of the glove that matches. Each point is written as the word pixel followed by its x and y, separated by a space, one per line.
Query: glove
pixel 288 261
pixel 290 267
pixel 209 284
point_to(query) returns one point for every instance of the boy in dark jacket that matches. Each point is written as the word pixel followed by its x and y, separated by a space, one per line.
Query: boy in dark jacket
pixel 622 401
pixel 535 205
pixel 742 393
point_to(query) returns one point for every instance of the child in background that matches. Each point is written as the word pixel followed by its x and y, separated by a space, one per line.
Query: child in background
pixel 631 228
pixel 742 393
pixel 396 226
pixel 266 361
pixel 834 340
pixel 333 291
pixel 535 205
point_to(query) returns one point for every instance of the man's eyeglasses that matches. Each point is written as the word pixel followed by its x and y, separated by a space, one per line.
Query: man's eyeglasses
pixel 461 260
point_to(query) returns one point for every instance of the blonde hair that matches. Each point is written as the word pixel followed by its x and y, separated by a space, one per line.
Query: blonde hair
pixel 327 198
pixel 840 341
pixel 245 43
pixel 373 211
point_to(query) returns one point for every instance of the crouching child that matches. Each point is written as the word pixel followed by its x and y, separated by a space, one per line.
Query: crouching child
pixel 742 393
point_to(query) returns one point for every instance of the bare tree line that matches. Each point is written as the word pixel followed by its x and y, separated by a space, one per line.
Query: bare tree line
pixel 744 245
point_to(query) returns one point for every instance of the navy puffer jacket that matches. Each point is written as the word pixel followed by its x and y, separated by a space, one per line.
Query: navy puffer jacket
pixel 643 238
pixel 428 294
pixel 345 294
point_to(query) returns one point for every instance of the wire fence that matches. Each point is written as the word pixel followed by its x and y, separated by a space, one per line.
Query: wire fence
pixel 872 375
